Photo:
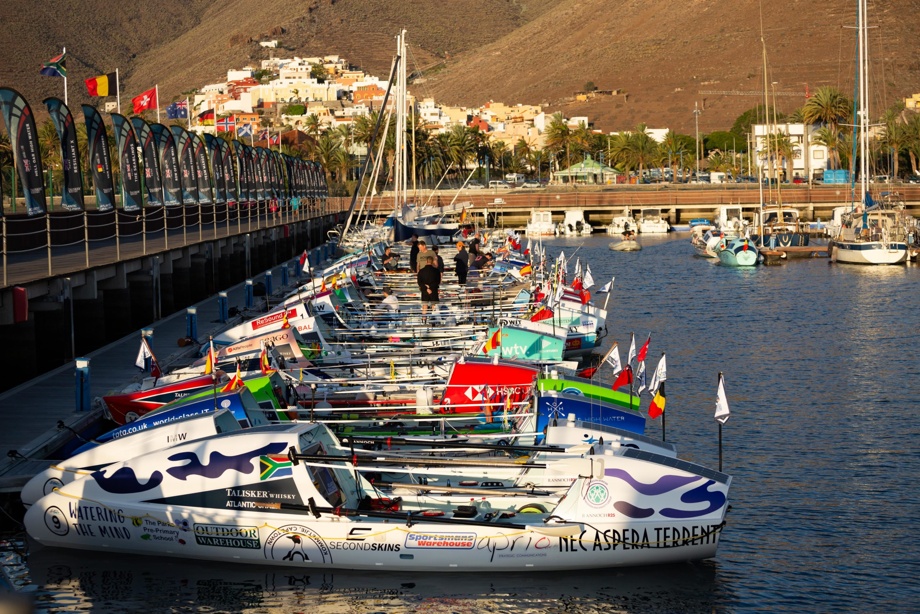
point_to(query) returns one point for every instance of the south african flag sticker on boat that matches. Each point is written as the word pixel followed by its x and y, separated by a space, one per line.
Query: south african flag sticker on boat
pixel 275 466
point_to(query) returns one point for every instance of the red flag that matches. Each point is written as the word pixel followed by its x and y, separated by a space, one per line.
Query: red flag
pixel 147 100
pixel 624 378
pixel 303 258
pixel 544 313
pixel 644 350
pixel 576 285
pixel 587 372
pixel 585 296
pixel 657 406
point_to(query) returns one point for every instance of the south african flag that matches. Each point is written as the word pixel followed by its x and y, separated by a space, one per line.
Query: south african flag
pixel 275 466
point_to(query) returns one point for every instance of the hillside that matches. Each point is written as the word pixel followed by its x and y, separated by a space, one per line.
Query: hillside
pixel 662 55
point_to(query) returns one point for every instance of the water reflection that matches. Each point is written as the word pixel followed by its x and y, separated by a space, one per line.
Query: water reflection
pixel 81 581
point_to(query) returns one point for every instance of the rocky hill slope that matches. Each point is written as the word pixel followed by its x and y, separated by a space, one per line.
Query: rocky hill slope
pixel 661 56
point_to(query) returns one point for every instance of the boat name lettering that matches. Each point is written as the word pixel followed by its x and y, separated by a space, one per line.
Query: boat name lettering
pixel 632 539
pixel 365 546
pixel 271 318
pixel 96 513
pixel 237 492
pixel 227 536
pixel 503 544
pixel 463 541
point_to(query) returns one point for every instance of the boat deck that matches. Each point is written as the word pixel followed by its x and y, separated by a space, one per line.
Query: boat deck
pixel 783 253
pixel 38 415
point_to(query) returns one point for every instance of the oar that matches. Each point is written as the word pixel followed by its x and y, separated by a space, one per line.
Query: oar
pixel 415 518
pixel 296 459
pixel 361 440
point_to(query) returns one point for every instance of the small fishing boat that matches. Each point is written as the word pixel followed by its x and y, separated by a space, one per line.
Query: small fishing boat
pixel 291 495
pixel 574 224
pixel 625 245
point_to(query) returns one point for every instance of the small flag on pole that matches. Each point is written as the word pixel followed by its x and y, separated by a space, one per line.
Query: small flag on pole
pixel 656 408
pixel 613 359
pixel 640 378
pixel 147 100
pixel 659 376
pixel 494 341
pixel 55 67
pixel 643 351
pixel 722 410
pixel 632 349
pixel 103 85
pixel 143 353
pixel 606 287
pixel 624 378
pixel 177 110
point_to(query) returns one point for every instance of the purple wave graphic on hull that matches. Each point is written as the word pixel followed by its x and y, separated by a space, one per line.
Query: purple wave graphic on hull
pixel 698 495
pixel 219 463
pixel 628 509
pixel 124 481
pixel 664 484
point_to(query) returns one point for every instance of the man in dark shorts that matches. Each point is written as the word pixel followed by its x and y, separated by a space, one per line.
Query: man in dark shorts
pixel 429 279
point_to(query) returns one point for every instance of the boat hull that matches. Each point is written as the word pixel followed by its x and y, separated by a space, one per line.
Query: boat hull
pixel 869 252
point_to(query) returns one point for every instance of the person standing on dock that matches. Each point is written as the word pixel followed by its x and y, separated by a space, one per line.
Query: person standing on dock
pixel 429 280
pixel 461 263
pixel 440 261
pixel 413 253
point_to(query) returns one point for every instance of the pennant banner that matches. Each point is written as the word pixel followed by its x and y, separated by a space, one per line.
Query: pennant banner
pixel 187 173
pixel 217 168
pixel 202 173
pixel 227 160
pixel 99 160
pixel 20 125
pixel 169 164
pixel 153 184
pixel 126 142
pixel 72 193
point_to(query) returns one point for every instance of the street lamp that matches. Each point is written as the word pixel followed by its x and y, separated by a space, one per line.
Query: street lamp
pixel 696 152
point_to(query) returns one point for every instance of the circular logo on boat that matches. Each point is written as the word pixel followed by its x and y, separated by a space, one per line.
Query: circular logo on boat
pixel 51 484
pixel 297 543
pixel 56 521
pixel 574 391
pixel 597 494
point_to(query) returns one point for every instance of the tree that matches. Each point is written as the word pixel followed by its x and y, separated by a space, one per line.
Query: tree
pixel 590 87
pixel 318 72
pixel 558 137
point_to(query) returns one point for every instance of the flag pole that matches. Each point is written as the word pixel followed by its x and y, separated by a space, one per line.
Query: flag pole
pixel 118 90
pixel 607 299
pixel 720 428
pixel 188 113
pixel 157 90
pixel 64 53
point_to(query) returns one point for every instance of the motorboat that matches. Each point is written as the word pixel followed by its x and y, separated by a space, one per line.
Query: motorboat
pixel 291 495
pixel 540 224
pixel 652 222
pixel 574 224
pixel 739 252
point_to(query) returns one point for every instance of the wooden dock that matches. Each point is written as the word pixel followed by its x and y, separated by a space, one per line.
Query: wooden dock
pixel 781 254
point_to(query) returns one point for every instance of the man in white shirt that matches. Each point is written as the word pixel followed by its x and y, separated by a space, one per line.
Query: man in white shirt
pixel 390 301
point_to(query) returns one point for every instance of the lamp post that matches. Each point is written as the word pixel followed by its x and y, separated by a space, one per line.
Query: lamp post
pixel 696 151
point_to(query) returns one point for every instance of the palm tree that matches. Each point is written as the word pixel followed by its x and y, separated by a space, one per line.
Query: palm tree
pixel 896 137
pixel 913 142
pixel 558 137
pixel 313 125
pixel 643 146
pixel 827 106
pixel 673 147
pixel 830 139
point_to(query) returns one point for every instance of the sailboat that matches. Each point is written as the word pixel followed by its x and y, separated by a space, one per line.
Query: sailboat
pixel 869 234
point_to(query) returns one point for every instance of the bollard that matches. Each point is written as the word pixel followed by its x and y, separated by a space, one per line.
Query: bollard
pixel 191 323
pixel 82 384
pixel 249 297
pixel 268 283
pixel 223 308
pixel 284 276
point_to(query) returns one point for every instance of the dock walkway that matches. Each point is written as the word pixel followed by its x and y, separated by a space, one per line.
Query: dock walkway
pixel 31 412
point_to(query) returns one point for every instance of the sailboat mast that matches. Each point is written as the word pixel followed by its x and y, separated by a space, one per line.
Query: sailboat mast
pixel 863 112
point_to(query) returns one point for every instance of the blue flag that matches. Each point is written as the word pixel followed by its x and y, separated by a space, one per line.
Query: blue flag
pixel 177 110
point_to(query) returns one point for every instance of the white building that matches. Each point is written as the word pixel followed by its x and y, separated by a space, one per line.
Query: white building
pixel 804 166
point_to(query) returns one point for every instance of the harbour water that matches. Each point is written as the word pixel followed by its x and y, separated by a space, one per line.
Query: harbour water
pixel 823 378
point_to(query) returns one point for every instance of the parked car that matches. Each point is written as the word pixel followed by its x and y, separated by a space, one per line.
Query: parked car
pixel 475 185
pixel 531 185
pixel 499 185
